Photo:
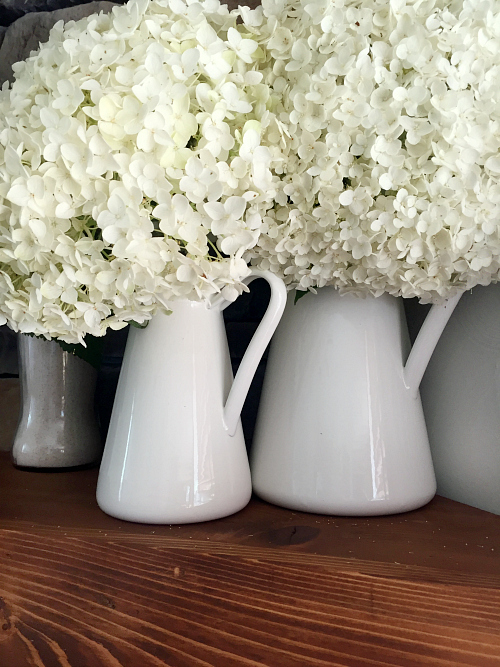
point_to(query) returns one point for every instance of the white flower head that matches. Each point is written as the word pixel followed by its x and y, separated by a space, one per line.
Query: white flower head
pixel 386 144
pixel 114 194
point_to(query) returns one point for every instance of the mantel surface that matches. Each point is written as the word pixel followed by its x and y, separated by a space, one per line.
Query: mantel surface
pixel 266 586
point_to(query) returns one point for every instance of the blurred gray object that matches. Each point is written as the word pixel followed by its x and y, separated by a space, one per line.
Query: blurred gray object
pixel 58 426
pixel 27 33
pixel 11 10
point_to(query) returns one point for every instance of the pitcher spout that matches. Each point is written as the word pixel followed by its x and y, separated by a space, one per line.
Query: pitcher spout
pixel 426 341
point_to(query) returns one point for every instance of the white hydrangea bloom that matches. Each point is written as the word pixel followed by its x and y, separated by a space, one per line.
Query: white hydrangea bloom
pixel 127 174
pixel 387 146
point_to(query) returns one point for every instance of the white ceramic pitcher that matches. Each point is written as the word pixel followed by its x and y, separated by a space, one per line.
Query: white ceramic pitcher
pixel 340 428
pixel 175 451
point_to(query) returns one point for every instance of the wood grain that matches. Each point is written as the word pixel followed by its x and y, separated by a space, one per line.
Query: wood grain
pixel 264 587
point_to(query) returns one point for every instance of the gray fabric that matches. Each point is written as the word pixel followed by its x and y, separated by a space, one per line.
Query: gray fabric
pixel 10 10
pixel 27 33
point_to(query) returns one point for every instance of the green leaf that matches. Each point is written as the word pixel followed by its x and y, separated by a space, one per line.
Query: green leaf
pixel 139 325
pixel 92 354
pixel 299 294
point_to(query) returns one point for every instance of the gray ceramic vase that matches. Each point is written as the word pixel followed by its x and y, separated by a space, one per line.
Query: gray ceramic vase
pixel 57 426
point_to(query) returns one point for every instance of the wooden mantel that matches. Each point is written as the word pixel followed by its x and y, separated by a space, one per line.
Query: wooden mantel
pixel 267 586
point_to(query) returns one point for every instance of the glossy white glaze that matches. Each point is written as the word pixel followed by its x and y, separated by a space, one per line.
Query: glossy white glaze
pixel 461 399
pixel 173 454
pixel 340 428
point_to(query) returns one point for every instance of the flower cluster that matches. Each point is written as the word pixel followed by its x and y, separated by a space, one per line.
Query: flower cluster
pixel 389 159
pixel 134 167
pixel 150 154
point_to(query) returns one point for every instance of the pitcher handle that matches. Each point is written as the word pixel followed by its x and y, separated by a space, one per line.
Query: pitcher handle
pixel 426 341
pixel 256 347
